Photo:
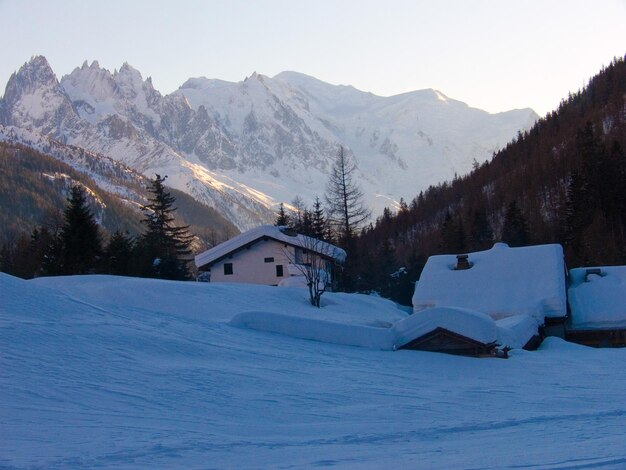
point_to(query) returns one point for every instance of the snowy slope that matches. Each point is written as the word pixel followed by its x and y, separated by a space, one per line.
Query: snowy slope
pixel 134 373
pixel 290 127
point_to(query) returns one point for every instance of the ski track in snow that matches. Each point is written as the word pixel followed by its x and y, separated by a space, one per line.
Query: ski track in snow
pixel 99 372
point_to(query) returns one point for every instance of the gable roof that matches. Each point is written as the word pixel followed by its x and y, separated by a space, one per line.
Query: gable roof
pixel 473 325
pixel 501 282
pixel 280 234
pixel 598 297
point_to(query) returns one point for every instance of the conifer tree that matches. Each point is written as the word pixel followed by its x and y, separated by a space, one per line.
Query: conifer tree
pixel 118 255
pixel 45 249
pixel 282 219
pixel 164 249
pixel 452 238
pixel 80 245
pixel 515 228
pixel 16 258
pixel 481 233
pixel 306 227
pixel 318 221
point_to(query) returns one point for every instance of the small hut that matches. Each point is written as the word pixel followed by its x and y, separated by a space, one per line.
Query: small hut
pixel 450 330
pixel 597 299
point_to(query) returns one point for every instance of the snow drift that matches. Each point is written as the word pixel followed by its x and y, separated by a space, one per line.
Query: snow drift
pixel 99 371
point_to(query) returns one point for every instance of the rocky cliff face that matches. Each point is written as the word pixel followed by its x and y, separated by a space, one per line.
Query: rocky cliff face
pixel 244 147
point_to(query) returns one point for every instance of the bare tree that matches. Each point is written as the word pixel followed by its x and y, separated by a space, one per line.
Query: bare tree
pixel 314 259
pixel 299 207
pixel 345 205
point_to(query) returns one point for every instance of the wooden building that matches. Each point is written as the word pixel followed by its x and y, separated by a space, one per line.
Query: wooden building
pixel 597 299
pixel 448 330
pixel 446 341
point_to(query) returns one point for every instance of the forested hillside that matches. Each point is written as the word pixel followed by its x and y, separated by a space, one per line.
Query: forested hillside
pixel 563 181
pixel 34 188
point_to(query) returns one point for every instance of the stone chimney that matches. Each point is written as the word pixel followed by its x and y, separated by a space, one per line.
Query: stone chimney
pixel 592 271
pixel 462 262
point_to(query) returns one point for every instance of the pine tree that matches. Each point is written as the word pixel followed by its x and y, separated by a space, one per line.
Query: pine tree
pixel 164 249
pixel 118 255
pixel 306 227
pixel 282 219
pixel 452 235
pixel 45 247
pixel 318 221
pixel 481 233
pixel 80 244
pixel 16 258
pixel 515 228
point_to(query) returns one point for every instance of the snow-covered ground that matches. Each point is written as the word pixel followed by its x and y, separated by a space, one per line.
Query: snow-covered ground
pixel 99 371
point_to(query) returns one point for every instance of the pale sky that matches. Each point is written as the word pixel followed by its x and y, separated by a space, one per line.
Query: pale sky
pixel 492 54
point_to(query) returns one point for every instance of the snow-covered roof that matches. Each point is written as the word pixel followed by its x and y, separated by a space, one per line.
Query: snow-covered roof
pixel 281 234
pixel 468 323
pixel 515 332
pixel 598 301
pixel 501 282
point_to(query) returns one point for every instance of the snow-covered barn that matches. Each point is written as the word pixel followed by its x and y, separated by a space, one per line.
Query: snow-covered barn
pixel 597 298
pixel 510 291
pixel 266 255
pixel 448 329
pixel 500 282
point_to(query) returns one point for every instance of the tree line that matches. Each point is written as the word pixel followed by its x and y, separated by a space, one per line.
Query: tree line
pixel 339 221
pixel 563 181
pixel 74 244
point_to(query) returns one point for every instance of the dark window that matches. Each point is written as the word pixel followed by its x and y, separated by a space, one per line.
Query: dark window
pixel 269 260
pixel 228 268
pixel 279 270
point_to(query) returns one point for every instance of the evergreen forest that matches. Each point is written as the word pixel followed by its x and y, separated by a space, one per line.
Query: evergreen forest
pixel 563 181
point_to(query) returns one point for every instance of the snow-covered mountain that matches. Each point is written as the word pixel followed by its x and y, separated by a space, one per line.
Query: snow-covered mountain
pixel 244 147
pixel 123 117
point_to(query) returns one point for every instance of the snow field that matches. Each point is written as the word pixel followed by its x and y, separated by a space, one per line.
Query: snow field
pixel 99 371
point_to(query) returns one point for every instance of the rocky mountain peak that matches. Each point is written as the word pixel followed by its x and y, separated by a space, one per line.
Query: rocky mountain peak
pixel 94 65
pixel 33 75
pixel 34 99
pixel 129 81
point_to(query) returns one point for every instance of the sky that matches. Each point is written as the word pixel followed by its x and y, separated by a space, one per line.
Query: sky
pixel 492 54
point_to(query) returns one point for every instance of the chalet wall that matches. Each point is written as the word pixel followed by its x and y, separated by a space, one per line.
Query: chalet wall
pixel 249 264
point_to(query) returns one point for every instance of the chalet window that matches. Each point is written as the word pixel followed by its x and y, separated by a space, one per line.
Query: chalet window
pixel 269 260
pixel 299 258
pixel 228 269
pixel 279 270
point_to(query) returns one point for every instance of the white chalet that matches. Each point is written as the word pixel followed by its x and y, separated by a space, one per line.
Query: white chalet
pixel 265 255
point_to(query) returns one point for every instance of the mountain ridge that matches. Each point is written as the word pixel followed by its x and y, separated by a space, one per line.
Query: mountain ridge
pixel 243 147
